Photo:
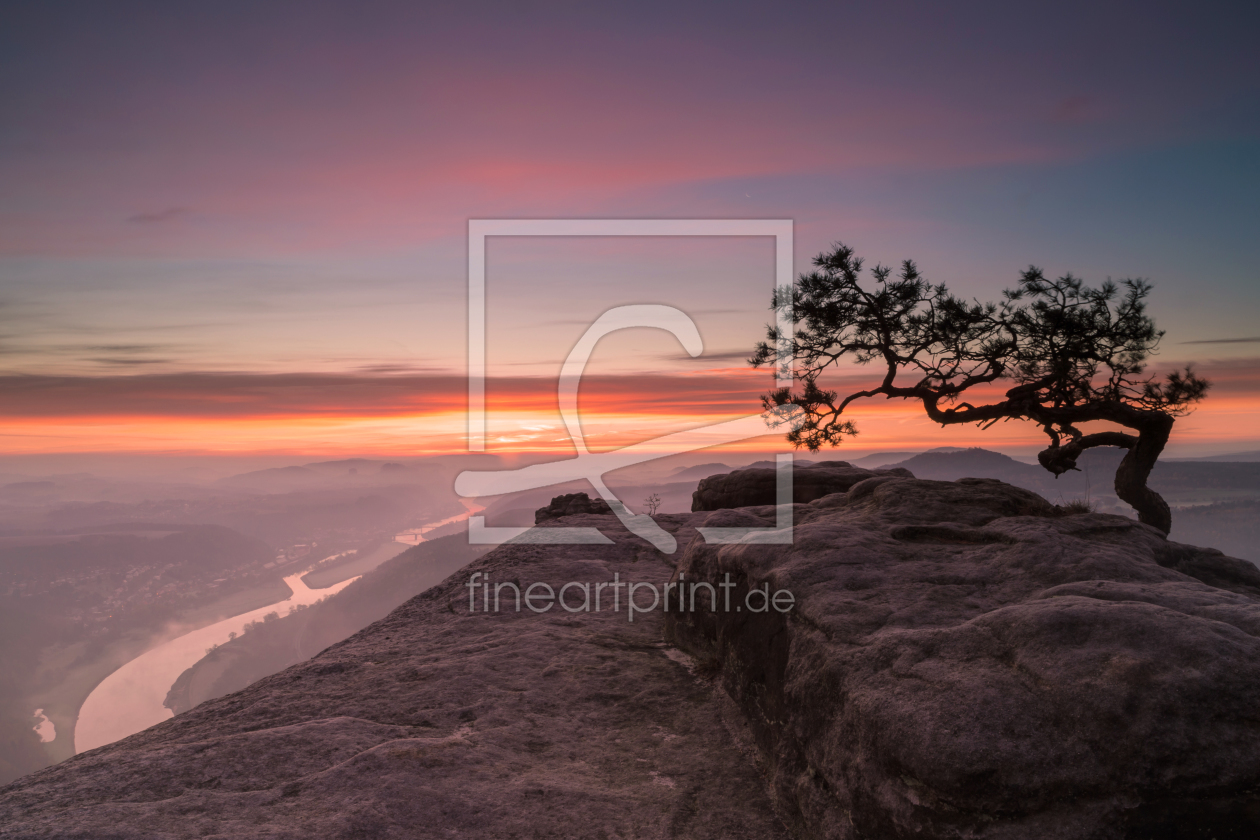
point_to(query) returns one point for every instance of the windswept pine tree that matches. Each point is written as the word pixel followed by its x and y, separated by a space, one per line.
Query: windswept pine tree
pixel 1072 354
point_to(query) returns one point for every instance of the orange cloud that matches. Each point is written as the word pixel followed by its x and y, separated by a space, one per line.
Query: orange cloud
pixel 317 413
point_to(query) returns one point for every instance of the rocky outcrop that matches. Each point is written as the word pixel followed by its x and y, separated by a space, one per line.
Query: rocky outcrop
pixel 757 485
pixel 963 661
pixel 438 722
pixel 570 504
pixel 952 660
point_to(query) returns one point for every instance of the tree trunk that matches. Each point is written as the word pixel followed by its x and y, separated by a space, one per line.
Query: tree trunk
pixel 1136 468
pixel 1143 451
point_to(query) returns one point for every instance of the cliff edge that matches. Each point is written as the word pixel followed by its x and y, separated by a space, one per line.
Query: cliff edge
pixel 951 659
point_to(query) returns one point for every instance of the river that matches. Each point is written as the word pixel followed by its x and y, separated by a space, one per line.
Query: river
pixel 130 699
pixel 415 536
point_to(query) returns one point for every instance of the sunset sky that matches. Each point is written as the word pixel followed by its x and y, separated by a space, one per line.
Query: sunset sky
pixel 242 227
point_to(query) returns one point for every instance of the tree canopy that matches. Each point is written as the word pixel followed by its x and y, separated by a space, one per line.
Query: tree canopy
pixel 1072 354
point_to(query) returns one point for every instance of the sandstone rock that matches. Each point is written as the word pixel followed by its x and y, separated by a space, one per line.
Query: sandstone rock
pixel 435 722
pixel 956 667
pixel 961 661
pixel 757 485
pixel 569 505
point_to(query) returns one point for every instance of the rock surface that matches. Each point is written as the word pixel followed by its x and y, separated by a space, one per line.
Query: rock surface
pixel 758 485
pixel 961 661
pixel 435 722
pixel 569 505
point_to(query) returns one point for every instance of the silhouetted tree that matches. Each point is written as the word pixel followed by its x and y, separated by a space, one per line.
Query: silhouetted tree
pixel 1074 354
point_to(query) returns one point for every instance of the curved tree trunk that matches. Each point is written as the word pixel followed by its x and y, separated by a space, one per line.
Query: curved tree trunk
pixel 1136 468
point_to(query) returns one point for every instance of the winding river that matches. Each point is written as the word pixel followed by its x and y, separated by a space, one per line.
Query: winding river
pixel 130 699
pixel 415 536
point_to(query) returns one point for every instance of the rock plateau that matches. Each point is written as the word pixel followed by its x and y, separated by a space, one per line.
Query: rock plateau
pixel 961 660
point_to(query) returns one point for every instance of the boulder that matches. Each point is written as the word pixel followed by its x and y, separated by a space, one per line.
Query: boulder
pixel 568 505
pixel 758 485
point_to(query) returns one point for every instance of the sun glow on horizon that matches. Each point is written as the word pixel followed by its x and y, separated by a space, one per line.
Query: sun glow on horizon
pixel 891 425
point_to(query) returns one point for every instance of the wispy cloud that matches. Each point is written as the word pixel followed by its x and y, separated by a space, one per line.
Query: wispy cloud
pixel 132 354
pixel 1251 340
pixel 126 362
pixel 236 395
pixel 170 214
pixel 738 356
pixel 387 369
pixel 123 348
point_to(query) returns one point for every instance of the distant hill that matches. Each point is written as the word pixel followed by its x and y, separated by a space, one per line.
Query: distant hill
pixel 796 462
pixel 1245 457
pixel 280 518
pixel 879 459
pixel 1216 502
pixel 970 463
pixel 1181 483
pixel 22 498
pixel 346 464
pixel 177 552
pixel 344 473
pixel 699 471
pixel 883 459
pixel 1232 527
pixel 276 478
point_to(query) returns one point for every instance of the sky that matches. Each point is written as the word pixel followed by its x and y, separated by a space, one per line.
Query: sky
pixel 242 227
